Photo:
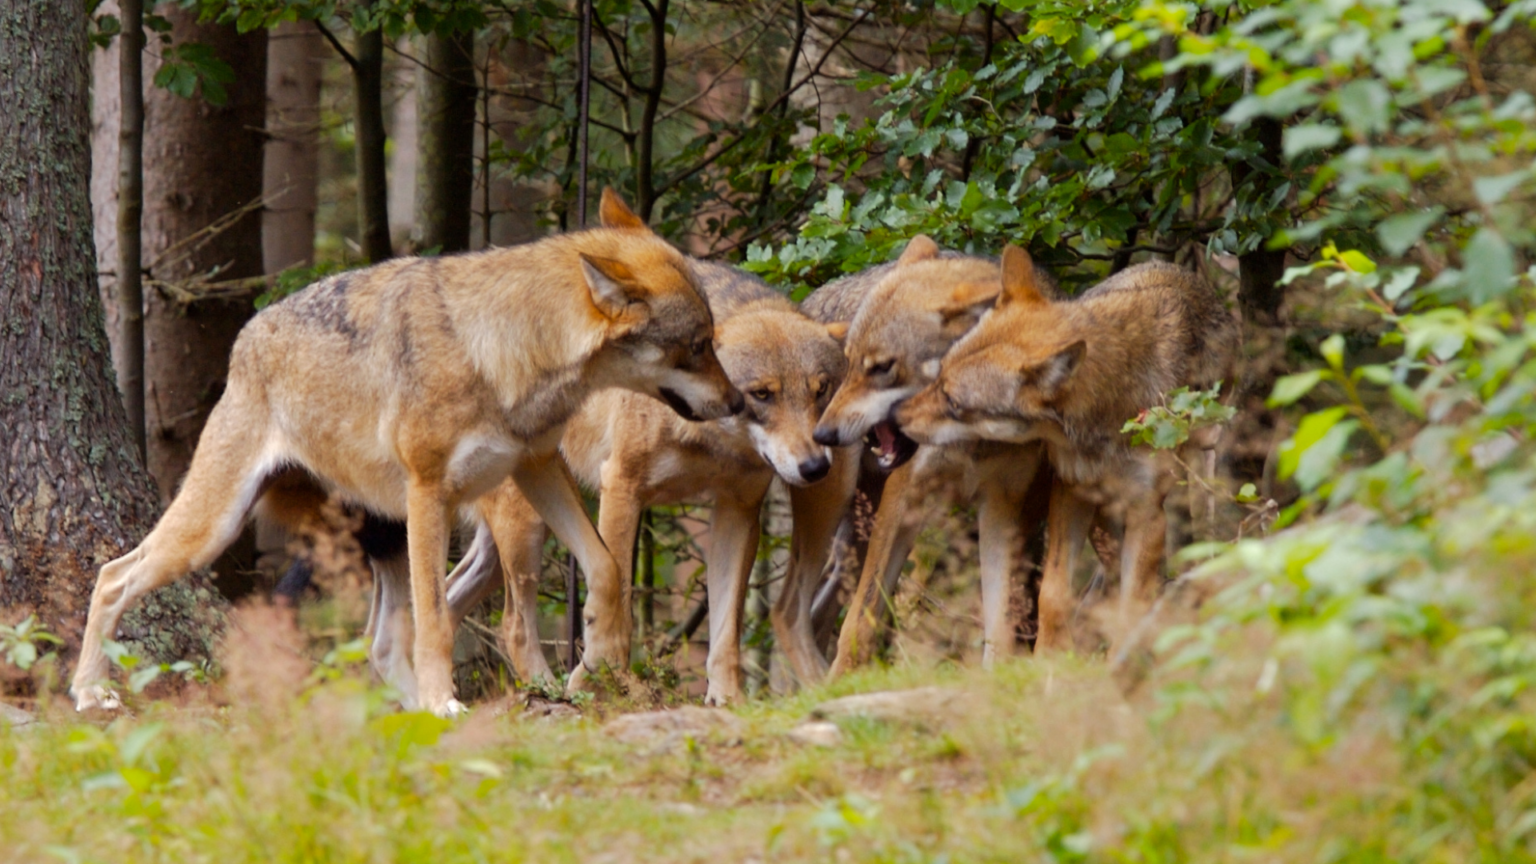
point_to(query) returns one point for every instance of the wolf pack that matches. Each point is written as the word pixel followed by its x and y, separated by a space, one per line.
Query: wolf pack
pixel 480 392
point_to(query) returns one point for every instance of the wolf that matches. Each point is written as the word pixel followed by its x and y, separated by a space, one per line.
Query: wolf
pixel 903 317
pixel 1069 374
pixel 637 454
pixel 415 386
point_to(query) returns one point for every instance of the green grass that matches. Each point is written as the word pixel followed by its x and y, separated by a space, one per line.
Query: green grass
pixel 1236 748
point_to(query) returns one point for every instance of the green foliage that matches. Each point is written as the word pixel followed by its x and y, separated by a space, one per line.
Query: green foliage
pixel 19 643
pixel 190 65
pixel 296 279
pixel 1051 144
pixel 142 674
pixel 1166 426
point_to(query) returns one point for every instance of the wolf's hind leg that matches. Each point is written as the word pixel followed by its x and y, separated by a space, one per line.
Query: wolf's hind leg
pixel 223 482
pixel 390 627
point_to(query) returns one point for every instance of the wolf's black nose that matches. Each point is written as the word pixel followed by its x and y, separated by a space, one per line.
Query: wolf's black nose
pixel 814 469
pixel 826 436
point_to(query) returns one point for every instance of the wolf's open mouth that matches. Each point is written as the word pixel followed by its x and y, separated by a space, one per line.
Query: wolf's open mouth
pixel 889 445
pixel 679 404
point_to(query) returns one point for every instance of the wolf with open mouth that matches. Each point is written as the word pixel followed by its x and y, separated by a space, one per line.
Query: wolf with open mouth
pixel 903 317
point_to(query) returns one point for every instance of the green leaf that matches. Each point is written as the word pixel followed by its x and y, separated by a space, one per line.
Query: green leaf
pixel 1492 190
pixel 143 678
pixel 1489 266
pixel 1407 399
pixel 1309 136
pixel 1364 104
pixel 1293 387
pixel 23 655
pixel 1332 350
pixel 1399 233
pixel 1312 454
pixel 1357 261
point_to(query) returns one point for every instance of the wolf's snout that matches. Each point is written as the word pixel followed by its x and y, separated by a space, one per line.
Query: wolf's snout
pixel 815 468
pixel 826 436
pixel 735 402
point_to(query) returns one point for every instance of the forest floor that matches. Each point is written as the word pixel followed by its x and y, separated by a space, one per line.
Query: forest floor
pixel 289 759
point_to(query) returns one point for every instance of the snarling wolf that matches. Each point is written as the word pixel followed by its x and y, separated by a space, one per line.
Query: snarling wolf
pixel 1069 374
pixel 413 387
pixel 902 318
pixel 637 454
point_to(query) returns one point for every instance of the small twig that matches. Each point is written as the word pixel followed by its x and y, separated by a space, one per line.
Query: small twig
pixel 336 43
pixel 684 631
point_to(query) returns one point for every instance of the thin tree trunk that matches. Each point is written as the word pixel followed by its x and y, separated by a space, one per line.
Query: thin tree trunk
pixel 372 183
pixel 445 167
pixel 130 213
pixel 76 494
pixel 291 163
pixel 1259 292
pixel 645 182
pixel 201 163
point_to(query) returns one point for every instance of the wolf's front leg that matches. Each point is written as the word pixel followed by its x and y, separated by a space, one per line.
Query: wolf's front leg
pixel 733 537
pixel 1066 528
pixel 1004 482
pixel 427 538
pixel 547 485
pixel 816 512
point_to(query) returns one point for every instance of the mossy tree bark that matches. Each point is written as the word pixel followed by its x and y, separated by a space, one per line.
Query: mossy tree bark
pixel 75 494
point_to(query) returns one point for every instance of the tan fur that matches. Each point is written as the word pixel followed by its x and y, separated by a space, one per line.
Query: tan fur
pixel 903 318
pixel 415 386
pixel 1070 373
pixel 638 454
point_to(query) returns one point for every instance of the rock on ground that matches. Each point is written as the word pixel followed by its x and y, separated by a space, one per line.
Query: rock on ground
pixel 668 729
pixel 817 733
pixel 921 705
pixel 13 716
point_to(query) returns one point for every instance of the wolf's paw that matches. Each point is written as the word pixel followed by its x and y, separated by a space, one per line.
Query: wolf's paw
pixel 714 698
pixel 580 680
pixel 97 697
pixel 452 708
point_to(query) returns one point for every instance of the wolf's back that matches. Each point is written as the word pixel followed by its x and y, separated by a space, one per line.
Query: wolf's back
pixel 728 289
pixel 1200 334
pixel 838 301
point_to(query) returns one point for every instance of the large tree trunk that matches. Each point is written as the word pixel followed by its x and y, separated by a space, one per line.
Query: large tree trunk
pixel 201 163
pixel 295 52
pixel 445 170
pixel 75 493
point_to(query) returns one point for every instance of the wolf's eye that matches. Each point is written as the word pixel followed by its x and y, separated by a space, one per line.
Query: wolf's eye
pixel 882 367
pixel 951 409
pixel 762 394
pixel 700 346
pixel 821 388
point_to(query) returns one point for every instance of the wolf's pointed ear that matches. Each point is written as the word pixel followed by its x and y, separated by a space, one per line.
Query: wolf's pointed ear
pixel 614 213
pixel 965 306
pixel 919 248
pixel 612 285
pixel 1019 279
pixel 838 330
pixel 1048 377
